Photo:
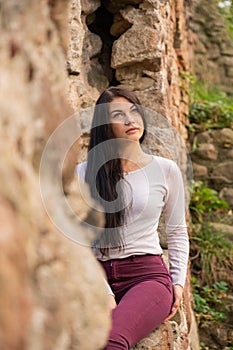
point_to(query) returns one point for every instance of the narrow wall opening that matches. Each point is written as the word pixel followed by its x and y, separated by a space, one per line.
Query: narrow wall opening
pixel 100 23
pixel 108 23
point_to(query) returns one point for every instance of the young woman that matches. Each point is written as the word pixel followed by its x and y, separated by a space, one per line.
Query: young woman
pixel 134 189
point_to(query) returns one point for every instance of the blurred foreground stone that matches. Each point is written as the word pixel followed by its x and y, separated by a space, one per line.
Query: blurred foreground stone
pixel 51 289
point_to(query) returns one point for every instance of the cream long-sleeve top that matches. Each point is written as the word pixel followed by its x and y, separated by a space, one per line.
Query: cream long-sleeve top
pixel 149 191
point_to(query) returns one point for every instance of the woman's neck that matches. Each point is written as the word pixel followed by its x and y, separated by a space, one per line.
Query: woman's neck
pixel 133 157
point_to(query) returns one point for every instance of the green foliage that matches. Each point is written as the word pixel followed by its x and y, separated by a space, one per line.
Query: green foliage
pixel 211 252
pixel 204 202
pixel 186 76
pixel 210 115
pixel 200 90
pixel 207 299
pixel 226 10
pixel 210 108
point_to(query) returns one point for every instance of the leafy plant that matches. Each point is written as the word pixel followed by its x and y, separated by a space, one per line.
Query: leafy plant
pixel 206 299
pixel 209 107
pixel 211 115
pixel 210 252
pixel 204 202
pixel 226 10
pixel 202 91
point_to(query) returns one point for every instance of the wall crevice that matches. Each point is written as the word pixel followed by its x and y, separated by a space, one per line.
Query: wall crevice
pixel 100 23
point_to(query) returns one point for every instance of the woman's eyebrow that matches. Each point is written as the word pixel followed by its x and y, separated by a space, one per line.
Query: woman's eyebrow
pixel 120 110
pixel 133 105
pixel 116 110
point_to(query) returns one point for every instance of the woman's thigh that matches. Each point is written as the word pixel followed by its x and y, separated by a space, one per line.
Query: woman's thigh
pixel 143 308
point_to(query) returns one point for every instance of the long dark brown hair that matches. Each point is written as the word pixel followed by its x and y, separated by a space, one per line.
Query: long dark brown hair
pixel 104 173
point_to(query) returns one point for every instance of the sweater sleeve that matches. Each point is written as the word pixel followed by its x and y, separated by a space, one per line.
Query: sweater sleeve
pixel 176 229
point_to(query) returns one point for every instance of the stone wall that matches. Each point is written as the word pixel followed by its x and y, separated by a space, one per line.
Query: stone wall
pixel 213 160
pixel 141 45
pixel 106 49
pixel 212 45
pixel 48 293
pixel 46 284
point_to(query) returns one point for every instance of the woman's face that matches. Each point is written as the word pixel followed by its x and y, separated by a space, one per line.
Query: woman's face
pixel 125 119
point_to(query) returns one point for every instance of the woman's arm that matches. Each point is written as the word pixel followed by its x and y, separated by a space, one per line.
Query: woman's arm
pixel 177 236
pixel 176 228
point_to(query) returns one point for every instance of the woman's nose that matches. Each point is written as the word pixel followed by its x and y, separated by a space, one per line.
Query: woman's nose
pixel 128 119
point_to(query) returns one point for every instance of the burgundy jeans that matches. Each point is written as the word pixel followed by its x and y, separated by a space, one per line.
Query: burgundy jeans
pixel 143 290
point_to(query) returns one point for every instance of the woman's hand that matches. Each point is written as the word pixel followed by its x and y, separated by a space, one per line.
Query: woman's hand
pixel 111 302
pixel 178 293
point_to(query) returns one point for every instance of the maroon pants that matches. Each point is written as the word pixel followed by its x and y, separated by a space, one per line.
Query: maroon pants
pixel 143 290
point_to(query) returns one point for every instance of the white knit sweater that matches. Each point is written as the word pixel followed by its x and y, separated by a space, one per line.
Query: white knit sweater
pixel 151 190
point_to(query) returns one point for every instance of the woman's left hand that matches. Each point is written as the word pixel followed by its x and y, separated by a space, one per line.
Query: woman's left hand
pixel 178 293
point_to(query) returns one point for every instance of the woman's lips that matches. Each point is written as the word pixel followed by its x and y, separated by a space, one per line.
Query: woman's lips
pixel 132 130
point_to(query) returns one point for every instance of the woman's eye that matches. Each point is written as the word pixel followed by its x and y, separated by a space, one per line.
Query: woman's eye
pixel 135 110
pixel 118 115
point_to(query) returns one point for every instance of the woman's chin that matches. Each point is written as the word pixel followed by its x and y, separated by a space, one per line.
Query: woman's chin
pixel 134 136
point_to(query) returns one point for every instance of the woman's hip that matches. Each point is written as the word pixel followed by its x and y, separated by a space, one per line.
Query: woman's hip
pixel 137 268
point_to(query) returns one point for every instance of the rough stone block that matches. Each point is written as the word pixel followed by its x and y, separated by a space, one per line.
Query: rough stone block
pixel 223 137
pixel 119 26
pixel 229 72
pixel 227 230
pixel 200 171
pixel 131 48
pixel 223 172
pixel 207 151
pixel 204 137
pixel 89 7
pixel 227 194
pixel 230 154
pixel 160 339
